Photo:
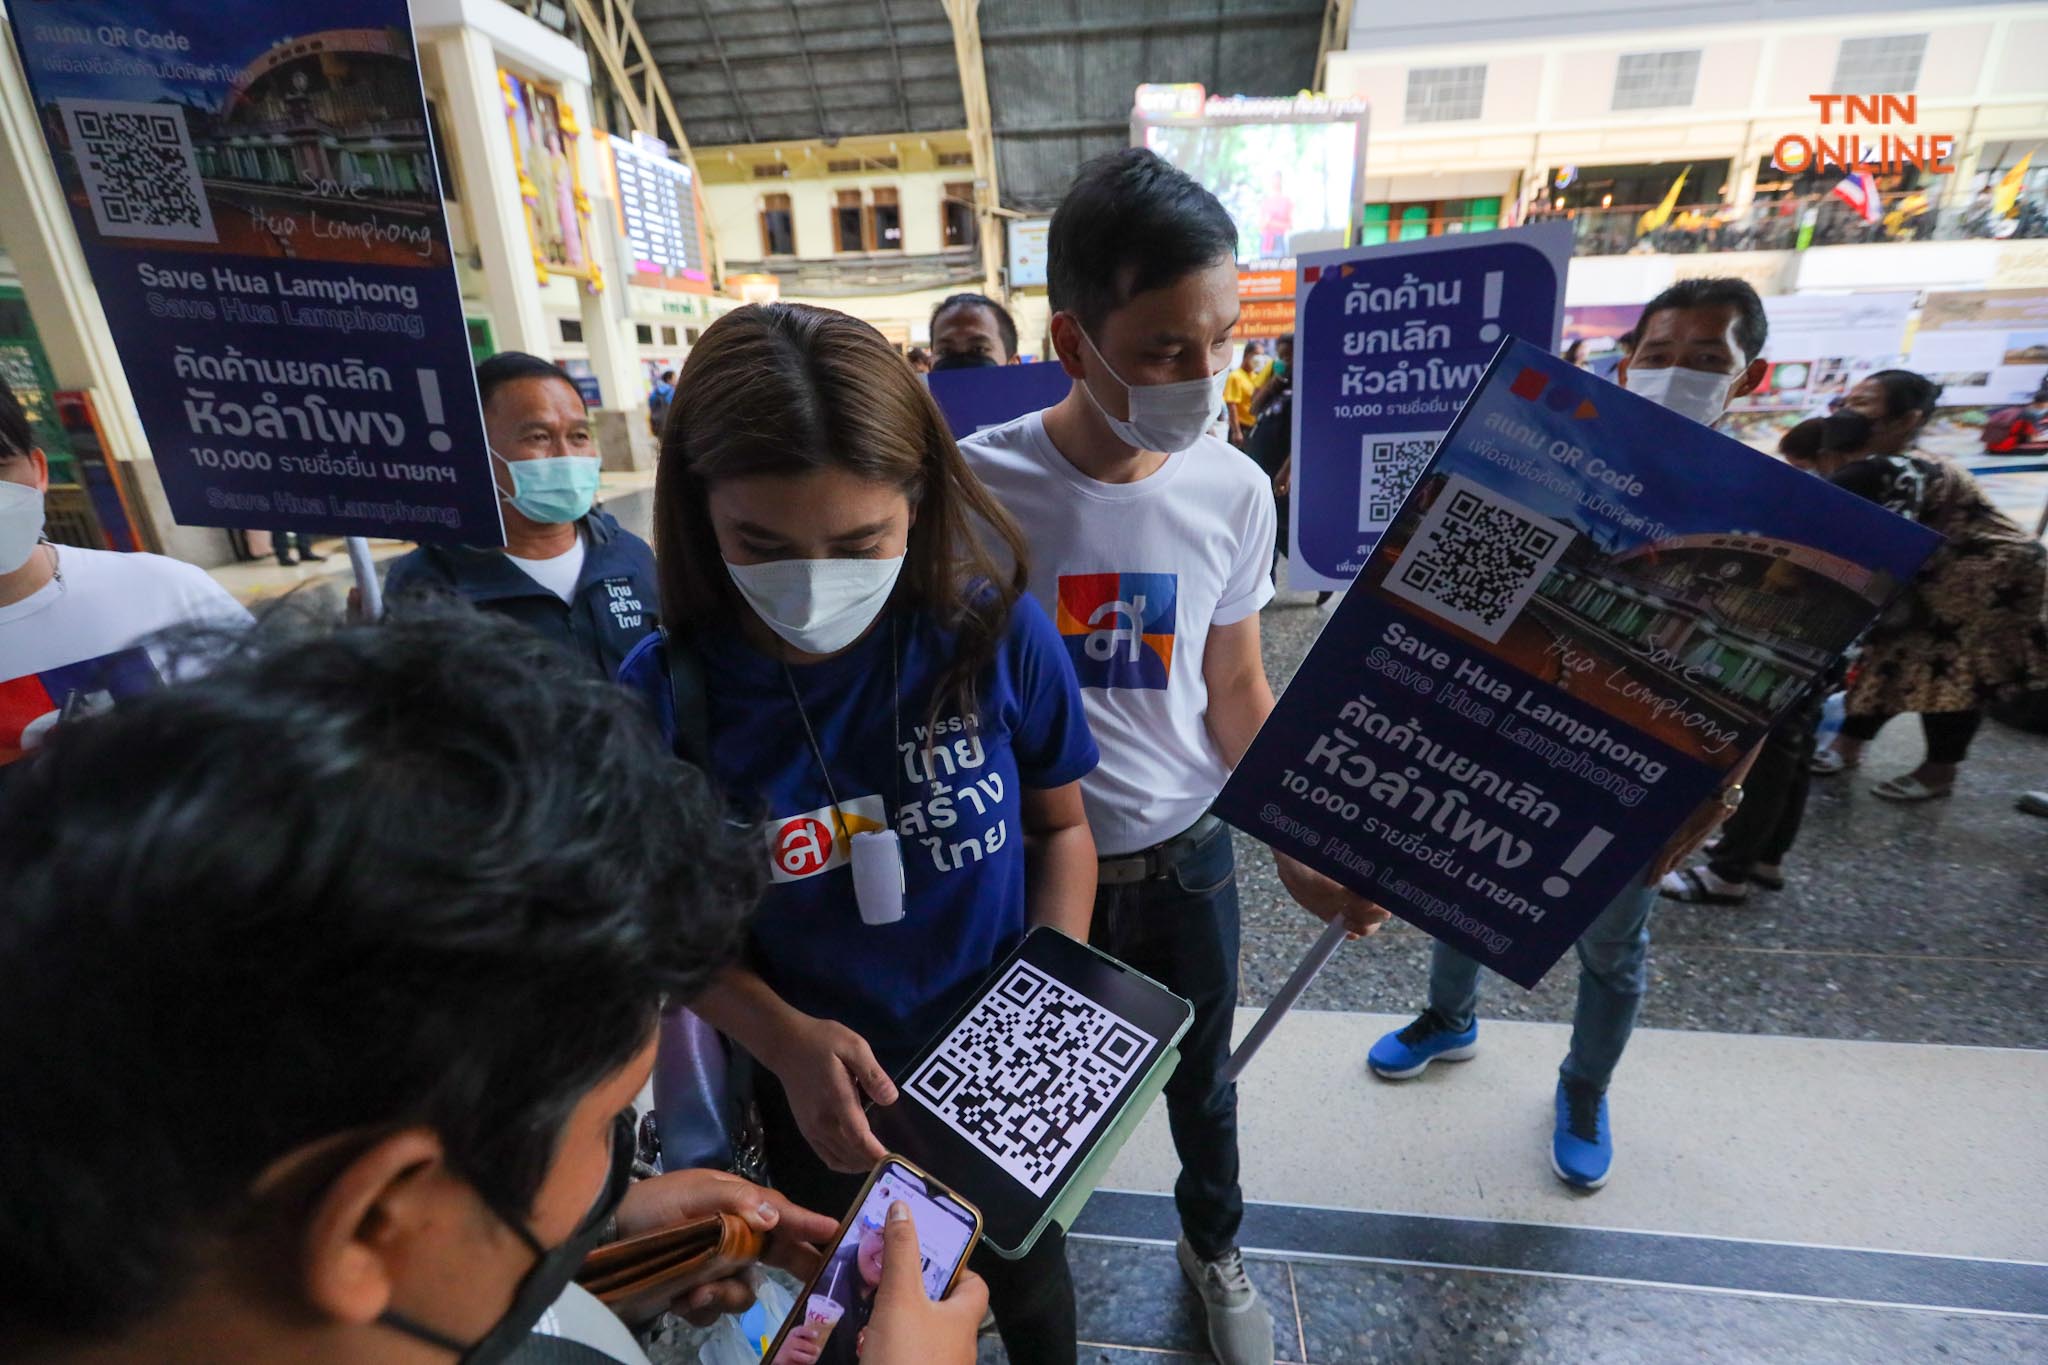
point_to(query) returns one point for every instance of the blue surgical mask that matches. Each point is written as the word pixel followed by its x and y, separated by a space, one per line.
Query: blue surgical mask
pixel 554 489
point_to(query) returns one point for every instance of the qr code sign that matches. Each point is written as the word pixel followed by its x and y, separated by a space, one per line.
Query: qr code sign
pixel 141 176
pixel 1477 558
pixel 1389 468
pixel 1029 1073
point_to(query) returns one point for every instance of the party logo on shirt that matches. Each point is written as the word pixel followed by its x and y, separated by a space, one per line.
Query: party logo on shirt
pixel 804 845
pixel 1119 627
pixel 30 704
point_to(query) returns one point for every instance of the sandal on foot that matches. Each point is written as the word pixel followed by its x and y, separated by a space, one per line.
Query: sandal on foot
pixel 1699 886
pixel 1828 762
pixel 1909 788
pixel 1770 876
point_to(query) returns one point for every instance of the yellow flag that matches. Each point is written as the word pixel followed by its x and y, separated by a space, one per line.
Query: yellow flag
pixel 2008 191
pixel 1655 218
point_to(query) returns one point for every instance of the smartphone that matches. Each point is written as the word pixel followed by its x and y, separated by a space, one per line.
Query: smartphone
pixel 825 1326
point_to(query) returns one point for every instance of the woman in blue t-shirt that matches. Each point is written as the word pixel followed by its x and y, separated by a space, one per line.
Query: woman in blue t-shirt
pixel 820 550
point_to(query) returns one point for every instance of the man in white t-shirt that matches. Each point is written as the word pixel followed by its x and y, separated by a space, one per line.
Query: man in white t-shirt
pixel 1151 546
pixel 73 622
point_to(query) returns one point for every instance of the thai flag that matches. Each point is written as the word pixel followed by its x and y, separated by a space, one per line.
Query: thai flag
pixel 1859 191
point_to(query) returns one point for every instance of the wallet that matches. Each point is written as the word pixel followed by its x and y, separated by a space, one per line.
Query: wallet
pixel 672 1261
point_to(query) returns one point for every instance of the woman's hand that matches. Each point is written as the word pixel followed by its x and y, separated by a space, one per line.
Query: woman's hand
pixel 677 1197
pixel 826 1069
pixel 908 1328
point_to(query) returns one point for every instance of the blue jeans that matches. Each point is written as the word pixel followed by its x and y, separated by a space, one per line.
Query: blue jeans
pixel 1182 931
pixel 1614 971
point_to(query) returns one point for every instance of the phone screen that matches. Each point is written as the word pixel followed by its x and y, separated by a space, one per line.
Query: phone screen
pixel 824 1327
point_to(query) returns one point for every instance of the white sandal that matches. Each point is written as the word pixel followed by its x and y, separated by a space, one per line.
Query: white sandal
pixel 1829 762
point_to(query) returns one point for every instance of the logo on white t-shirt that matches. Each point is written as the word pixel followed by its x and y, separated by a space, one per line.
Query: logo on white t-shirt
pixel 1119 627
pixel 801 846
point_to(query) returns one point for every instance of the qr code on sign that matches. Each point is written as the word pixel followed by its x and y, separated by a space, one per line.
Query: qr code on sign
pixel 1029 1073
pixel 1388 470
pixel 141 175
pixel 1477 558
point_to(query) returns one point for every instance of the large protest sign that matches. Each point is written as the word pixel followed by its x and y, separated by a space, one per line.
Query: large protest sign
pixel 263 221
pixel 978 397
pixel 1586 612
pixel 1388 341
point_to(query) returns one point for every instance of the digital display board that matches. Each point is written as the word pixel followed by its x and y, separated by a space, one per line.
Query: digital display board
pixel 657 212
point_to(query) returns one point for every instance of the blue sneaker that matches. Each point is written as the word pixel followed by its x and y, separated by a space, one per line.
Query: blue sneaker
pixel 1582 1147
pixel 1408 1051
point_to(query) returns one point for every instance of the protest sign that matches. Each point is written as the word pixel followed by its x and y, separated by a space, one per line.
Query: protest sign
pixel 263 222
pixel 1388 341
pixel 1586 612
pixel 983 396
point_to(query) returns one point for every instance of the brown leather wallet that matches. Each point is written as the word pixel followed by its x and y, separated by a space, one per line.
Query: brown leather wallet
pixel 661 1265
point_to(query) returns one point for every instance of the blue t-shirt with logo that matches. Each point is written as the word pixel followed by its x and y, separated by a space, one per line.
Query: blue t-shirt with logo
pixel 953 793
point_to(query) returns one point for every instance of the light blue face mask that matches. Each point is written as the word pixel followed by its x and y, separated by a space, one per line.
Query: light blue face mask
pixel 554 489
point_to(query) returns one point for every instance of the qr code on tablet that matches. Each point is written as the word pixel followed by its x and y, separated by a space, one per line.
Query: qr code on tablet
pixel 140 173
pixel 1388 471
pixel 1477 558
pixel 1030 1073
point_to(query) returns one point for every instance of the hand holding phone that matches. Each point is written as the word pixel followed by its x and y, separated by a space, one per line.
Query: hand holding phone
pixel 908 1328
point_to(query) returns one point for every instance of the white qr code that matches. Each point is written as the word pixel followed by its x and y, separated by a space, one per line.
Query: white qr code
pixel 1029 1073
pixel 141 176
pixel 1477 558
pixel 1387 470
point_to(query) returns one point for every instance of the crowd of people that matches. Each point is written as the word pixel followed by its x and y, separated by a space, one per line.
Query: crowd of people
pixel 339 961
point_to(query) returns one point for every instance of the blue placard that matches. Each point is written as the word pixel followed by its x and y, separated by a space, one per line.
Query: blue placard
pixel 1388 341
pixel 980 397
pixel 1587 610
pixel 259 209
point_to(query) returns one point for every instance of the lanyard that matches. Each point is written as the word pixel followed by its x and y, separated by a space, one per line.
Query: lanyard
pixel 896 732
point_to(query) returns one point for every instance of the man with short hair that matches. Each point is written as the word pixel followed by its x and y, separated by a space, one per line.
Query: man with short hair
pixel 328 984
pixel 1151 546
pixel 659 399
pixel 1699 344
pixel 1244 381
pixel 568 569
pixel 969 330
pixel 920 359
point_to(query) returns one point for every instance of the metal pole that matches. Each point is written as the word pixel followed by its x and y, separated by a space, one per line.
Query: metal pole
pixel 1325 948
pixel 366 577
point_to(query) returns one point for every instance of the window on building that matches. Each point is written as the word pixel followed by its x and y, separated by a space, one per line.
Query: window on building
pixel 771 170
pixel 957 215
pixel 1879 66
pixel 572 330
pixel 1656 80
pixel 668 336
pixel 778 226
pixel 887 217
pixel 1445 94
pixel 848 228
pixel 643 334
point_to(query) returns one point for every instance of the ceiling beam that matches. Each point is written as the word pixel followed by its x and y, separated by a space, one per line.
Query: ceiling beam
pixel 1336 37
pixel 803 48
pixel 895 60
pixel 1163 23
pixel 731 85
pixel 965 17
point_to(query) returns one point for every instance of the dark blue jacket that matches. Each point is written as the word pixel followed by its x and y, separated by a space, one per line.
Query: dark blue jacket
pixel 614 604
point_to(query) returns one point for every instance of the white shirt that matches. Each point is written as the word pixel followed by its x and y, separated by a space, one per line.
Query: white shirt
pixel 1134 575
pixel 557 575
pixel 79 633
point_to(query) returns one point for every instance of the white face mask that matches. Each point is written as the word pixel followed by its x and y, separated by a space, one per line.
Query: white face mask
pixel 21 523
pixel 1698 394
pixel 1164 417
pixel 820 606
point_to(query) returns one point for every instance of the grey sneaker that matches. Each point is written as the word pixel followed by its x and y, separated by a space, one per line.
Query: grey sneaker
pixel 1240 1328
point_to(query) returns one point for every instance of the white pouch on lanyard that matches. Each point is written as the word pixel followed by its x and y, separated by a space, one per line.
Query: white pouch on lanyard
pixel 878 876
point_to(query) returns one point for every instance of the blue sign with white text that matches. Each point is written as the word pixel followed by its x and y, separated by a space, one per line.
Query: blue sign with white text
pixel 1586 611
pixel 978 397
pixel 1388 342
pixel 258 205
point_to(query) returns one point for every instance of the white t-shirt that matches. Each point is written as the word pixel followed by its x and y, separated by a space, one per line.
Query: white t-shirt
pixel 1134 575
pixel 79 633
pixel 557 575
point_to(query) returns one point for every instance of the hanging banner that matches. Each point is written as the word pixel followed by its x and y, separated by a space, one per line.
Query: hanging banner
pixel 1586 612
pixel 1987 347
pixel 1388 341
pixel 263 222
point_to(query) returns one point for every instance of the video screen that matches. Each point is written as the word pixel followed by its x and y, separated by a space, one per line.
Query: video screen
pixel 1276 180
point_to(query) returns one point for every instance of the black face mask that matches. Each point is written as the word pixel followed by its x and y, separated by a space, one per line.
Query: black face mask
pixel 965 360
pixel 553 1267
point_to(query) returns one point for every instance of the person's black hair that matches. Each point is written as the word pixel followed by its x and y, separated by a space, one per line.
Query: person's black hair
pixel 1907 391
pixel 1845 431
pixel 1131 222
pixel 426 872
pixel 1627 340
pixel 1802 442
pixel 16 437
pixel 1006 326
pixel 1255 341
pixel 665 374
pixel 507 366
pixel 1752 325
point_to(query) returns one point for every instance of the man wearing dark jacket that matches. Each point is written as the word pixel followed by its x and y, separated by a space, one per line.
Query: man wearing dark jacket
pixel 568 570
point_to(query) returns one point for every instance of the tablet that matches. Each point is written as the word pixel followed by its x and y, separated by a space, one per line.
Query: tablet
pixel 1045 1069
